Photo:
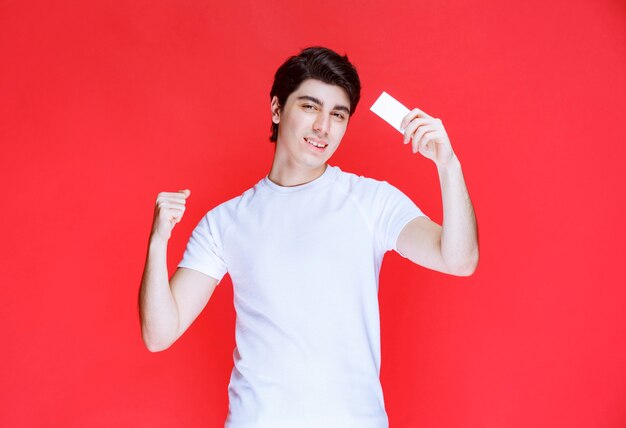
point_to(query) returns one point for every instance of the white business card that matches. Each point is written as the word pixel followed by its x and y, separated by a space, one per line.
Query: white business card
pixel 390 110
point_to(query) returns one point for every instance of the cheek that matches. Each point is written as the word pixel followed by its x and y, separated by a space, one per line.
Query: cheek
pixel 297 125
pixel 340 132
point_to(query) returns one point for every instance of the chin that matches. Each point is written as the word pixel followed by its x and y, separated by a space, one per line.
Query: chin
pixel 313 165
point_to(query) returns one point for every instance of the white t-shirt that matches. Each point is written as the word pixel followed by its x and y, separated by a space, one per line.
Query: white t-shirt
pixel 304 263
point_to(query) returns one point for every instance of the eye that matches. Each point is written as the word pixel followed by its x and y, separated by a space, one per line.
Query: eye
pixel 308 106
pixel 339 116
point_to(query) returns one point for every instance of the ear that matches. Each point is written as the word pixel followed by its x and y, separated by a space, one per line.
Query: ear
pixel 275 109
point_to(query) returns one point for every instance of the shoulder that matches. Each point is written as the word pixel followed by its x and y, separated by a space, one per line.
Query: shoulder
pixel 354 181
pixel 362 186
pixel 227 211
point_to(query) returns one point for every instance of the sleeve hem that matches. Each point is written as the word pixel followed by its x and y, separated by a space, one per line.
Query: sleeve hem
pixel 216 274
pixel 403 224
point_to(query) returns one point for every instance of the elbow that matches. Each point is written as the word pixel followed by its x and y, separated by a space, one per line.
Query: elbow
pixel 469 267
pixel 465 272
pixel 155 345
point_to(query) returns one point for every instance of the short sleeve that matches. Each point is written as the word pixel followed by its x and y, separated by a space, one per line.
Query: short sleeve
pixel 396 211
pixel 204 249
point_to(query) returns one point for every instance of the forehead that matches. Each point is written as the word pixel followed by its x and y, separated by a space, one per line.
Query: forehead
pixel 331 95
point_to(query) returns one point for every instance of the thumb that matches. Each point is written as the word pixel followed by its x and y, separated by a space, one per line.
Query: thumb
pixel 187 192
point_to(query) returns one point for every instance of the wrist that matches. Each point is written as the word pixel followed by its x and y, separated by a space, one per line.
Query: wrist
pixel 157 241
pixel 453 164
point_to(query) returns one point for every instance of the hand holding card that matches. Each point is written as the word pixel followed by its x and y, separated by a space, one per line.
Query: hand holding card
pixel 390 110
pixel 425 133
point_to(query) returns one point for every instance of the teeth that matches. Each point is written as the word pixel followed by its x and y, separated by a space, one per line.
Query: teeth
pixel 321 146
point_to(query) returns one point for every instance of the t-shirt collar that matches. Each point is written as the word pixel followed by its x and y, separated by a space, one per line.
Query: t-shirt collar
pixel 318 182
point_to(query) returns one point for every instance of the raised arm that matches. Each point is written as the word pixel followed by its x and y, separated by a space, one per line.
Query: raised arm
pixel 167 308
pixel 453 247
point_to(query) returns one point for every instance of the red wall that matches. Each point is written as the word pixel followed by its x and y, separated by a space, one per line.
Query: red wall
pixel 104 104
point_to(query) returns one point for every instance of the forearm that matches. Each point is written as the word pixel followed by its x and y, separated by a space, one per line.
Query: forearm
pixel 459 241
pixel 158 310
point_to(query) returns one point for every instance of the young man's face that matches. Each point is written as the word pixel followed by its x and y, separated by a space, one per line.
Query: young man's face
pixel 311 124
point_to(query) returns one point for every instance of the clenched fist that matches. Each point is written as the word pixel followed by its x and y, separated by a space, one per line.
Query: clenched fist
pixel 169 210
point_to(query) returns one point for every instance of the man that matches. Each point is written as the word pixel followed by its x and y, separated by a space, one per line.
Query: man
pixel 304 248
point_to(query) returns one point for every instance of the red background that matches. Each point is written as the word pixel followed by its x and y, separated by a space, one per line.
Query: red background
pixel 104 104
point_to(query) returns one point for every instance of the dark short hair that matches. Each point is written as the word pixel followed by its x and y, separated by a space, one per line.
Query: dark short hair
pixel 315 63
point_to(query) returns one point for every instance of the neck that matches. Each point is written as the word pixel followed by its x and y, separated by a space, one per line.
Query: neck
pixel 289 176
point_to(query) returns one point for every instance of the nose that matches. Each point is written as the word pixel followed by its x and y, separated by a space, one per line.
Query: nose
pixel 322 123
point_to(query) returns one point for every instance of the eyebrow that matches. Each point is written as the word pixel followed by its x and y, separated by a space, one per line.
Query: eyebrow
pixel 319 102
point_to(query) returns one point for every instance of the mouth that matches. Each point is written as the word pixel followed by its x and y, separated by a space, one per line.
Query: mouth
pixel 319 145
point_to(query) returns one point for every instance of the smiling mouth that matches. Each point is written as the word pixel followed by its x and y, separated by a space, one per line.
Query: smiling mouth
pixel 319 145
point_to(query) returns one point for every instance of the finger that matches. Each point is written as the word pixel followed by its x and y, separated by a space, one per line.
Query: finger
pixel 430 139
pixel 426 139
pixel 181 194
pixel 423 141
pixel 165 206
pixel 423 130
pixel 411 127
pixel 410 116
pixel 413 114
pixel 419 134
pixel 169 203
pixel 171 197
pixel 169 213
pixel 172 216
pixel 415 124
